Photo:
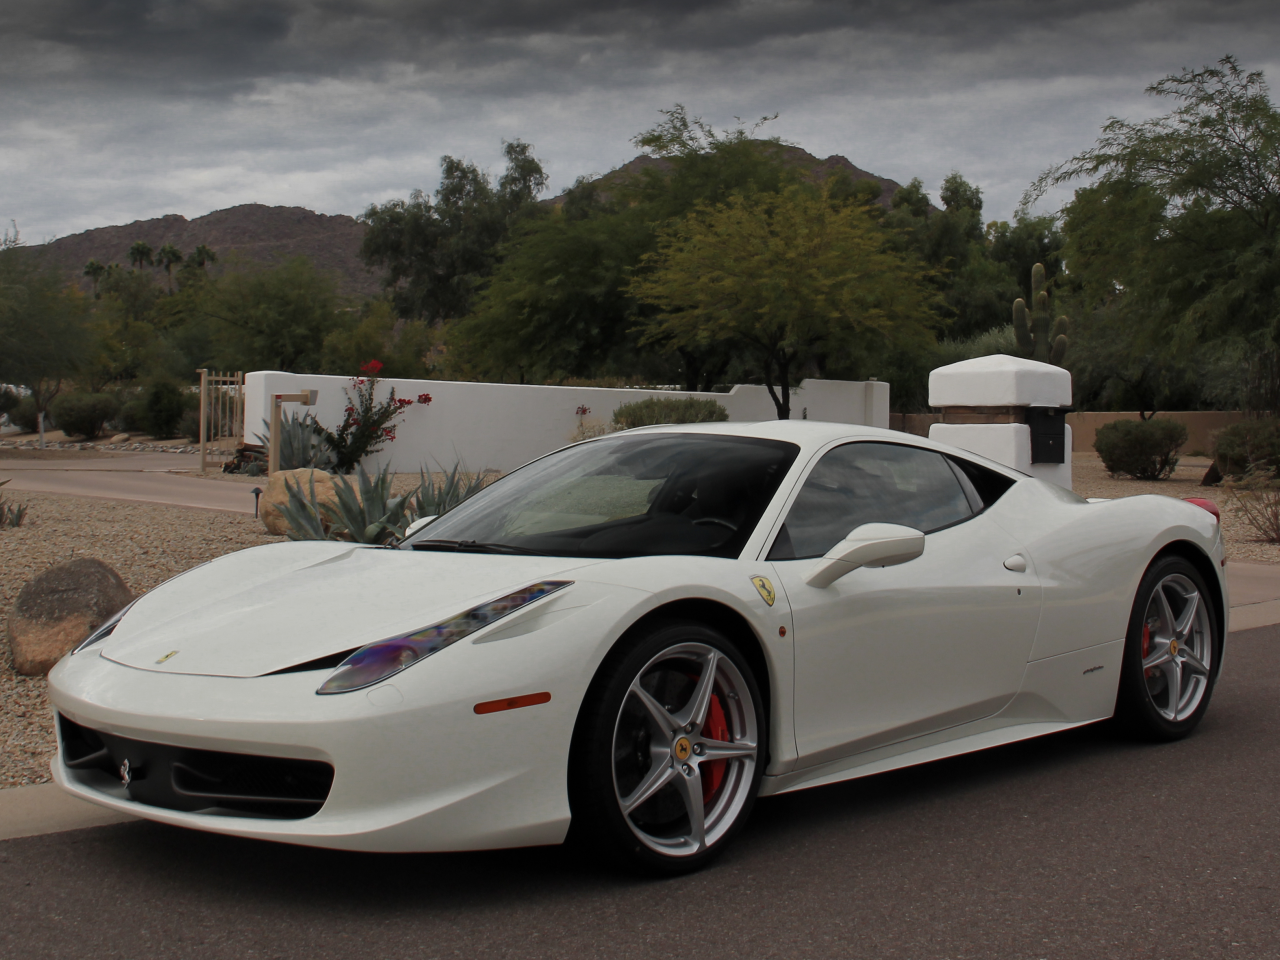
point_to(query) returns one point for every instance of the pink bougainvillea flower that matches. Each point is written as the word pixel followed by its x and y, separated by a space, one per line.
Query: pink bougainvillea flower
pixel 371 367
pixel 424 398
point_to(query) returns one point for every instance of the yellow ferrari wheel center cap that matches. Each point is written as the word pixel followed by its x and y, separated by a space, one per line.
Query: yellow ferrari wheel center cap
pixel 1173 648
pixel 683 748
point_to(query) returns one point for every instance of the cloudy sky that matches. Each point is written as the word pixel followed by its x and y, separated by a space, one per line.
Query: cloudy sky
pixel 118 110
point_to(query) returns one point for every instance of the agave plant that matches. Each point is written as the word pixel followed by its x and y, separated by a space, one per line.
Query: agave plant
pixel 433 500
pixel 303 514
pixel 302 444
pixel 370 515
pixel 11 515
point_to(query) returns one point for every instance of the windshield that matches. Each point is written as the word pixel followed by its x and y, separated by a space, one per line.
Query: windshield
pixel 625 496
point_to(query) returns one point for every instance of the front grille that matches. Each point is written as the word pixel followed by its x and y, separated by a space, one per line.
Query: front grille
pixel 182 778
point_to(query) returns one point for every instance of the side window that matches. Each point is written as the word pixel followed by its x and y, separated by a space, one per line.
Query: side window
pixel 868 483
pixel 982 482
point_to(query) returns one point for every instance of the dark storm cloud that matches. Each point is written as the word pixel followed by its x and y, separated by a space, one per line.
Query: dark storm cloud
pixel 332 104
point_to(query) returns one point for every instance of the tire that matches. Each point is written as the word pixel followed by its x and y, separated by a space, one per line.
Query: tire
pixel 1172 653
pixel 666 763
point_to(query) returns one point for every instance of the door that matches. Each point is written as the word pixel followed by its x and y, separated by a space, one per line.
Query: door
pixel 885 654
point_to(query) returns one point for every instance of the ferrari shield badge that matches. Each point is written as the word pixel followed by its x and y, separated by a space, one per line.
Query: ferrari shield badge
pixel 765 589
pixel 167 656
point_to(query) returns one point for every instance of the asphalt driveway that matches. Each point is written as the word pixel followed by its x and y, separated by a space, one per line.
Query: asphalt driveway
pixel 1078 845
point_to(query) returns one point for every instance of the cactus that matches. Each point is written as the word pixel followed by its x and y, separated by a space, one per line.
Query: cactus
pixel 1035 339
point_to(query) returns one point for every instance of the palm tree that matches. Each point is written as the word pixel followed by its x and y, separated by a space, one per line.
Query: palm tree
pixel 140 253
pixel 95 272
pixel 168 256
pixel 203 255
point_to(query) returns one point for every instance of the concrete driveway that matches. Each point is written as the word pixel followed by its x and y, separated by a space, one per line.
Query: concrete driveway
pixel 152 477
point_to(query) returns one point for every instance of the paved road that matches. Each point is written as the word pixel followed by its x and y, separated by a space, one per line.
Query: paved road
pixel 1076 846
pixel 134 476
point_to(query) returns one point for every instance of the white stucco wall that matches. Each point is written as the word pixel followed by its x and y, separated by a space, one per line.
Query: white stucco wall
pixel 500 426
pixel 1007 443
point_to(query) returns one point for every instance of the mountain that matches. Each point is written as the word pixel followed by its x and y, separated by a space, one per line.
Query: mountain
pixel 811 168
pixel 252 231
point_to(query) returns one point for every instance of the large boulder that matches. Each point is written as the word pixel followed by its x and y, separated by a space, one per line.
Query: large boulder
pixel 277 493
pixel 59 608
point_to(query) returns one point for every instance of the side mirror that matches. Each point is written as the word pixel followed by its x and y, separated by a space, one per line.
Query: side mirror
pixel 870 545
pixel 417 525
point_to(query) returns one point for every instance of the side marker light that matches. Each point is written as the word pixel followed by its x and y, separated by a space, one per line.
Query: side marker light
pixel 513 703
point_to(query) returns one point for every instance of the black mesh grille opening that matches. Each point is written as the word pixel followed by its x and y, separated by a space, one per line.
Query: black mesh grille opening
pixel 183 778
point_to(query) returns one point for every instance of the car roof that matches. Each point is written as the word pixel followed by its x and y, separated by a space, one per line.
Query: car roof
pixel 813 434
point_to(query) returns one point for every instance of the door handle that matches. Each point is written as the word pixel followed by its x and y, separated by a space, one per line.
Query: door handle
pixel 1017 563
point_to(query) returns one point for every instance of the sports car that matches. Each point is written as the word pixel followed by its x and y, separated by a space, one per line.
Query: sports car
pixel 630 639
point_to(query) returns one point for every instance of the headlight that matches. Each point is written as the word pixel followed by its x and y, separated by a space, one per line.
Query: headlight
pixel 375 662
pixel 106 629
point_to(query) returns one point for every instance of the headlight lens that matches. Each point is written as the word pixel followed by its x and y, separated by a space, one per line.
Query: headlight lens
pixel 377 661
pixel 105 630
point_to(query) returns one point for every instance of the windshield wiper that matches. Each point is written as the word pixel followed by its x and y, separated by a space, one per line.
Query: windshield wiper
pixel 474 546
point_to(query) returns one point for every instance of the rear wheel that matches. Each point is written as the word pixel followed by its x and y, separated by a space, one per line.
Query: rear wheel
pixel 667 756
pixel 1172 652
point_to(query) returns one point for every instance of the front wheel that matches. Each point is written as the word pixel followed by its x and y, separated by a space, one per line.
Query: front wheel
pixel 1171 655
pixel 668 753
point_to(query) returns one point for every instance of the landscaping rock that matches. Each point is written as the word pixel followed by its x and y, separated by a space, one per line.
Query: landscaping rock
pixel 120 438
pixel 59 608
pixel 277 493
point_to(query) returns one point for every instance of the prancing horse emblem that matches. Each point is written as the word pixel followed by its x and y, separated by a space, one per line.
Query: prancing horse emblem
pixel 765 589
pixel 125 775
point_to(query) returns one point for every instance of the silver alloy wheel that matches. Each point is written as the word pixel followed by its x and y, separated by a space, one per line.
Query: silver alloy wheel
pixel 1177 648
pixel 687 711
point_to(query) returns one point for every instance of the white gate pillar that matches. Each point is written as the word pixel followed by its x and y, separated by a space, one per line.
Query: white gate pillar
pixel 1009 410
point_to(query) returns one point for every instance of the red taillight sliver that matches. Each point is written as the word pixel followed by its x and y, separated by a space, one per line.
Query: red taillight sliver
pixel 513 703
pixel 1204 504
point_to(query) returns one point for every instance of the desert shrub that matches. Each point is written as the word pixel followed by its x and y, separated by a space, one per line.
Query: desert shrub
pixel 302 444
pixel 433 499
pixel 1245 444
pixel 1142 449
pixel 9 399
pixel 132 417
pixel 84 414
pixel 165 405
pixel 11 514
pixel 23 416
pixel 1255 498
pixel 654 410
pixel 189 425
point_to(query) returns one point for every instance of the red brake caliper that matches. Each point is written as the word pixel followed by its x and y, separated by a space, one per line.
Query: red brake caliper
pixel 1146 643
pixel 714 729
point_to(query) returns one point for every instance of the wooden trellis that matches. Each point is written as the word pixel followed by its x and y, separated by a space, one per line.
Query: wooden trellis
pixel 222 410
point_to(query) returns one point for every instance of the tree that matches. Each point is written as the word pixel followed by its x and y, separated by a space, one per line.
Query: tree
pixel 168 257
pixel 789 277
pixel 1176 237
pixel 274 318
pixel 202 255
pixel 436 253
pixel 95 272
pixel 43 337
pixel 140 253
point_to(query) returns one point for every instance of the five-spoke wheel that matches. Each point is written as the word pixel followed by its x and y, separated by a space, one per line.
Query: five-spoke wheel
pixel 1171 654
pixel 668 755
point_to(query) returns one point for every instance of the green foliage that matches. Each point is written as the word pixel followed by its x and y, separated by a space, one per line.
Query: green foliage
pixel 1035 339
pixel 25 416
pixel 140 253
pixel 11 514
pixel 189 425
pixel 168 257
pixel 305 516
pixel 165 404
pixel 84 414
pixel 655 410
pixel 786 278
pixel 1246 445
pixel 403 349
pixel 434 253
pixel 133 415
pixel 9 399
pixel 1142 449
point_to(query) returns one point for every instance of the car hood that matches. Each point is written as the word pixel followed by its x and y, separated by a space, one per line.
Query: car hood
pixel 276 606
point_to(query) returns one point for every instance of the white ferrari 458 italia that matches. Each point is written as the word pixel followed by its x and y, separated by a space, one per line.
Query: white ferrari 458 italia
pixel 630 639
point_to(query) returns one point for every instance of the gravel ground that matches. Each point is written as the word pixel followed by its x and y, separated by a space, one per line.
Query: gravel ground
pixel 145 543
pixel 148 543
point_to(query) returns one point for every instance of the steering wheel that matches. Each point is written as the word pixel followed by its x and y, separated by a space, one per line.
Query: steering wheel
pixel 723 523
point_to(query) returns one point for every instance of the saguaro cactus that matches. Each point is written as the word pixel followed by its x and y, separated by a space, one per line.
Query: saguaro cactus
pixel 1035 339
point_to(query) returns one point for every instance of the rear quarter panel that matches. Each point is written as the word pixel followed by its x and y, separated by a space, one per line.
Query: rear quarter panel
pixel 1091 556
